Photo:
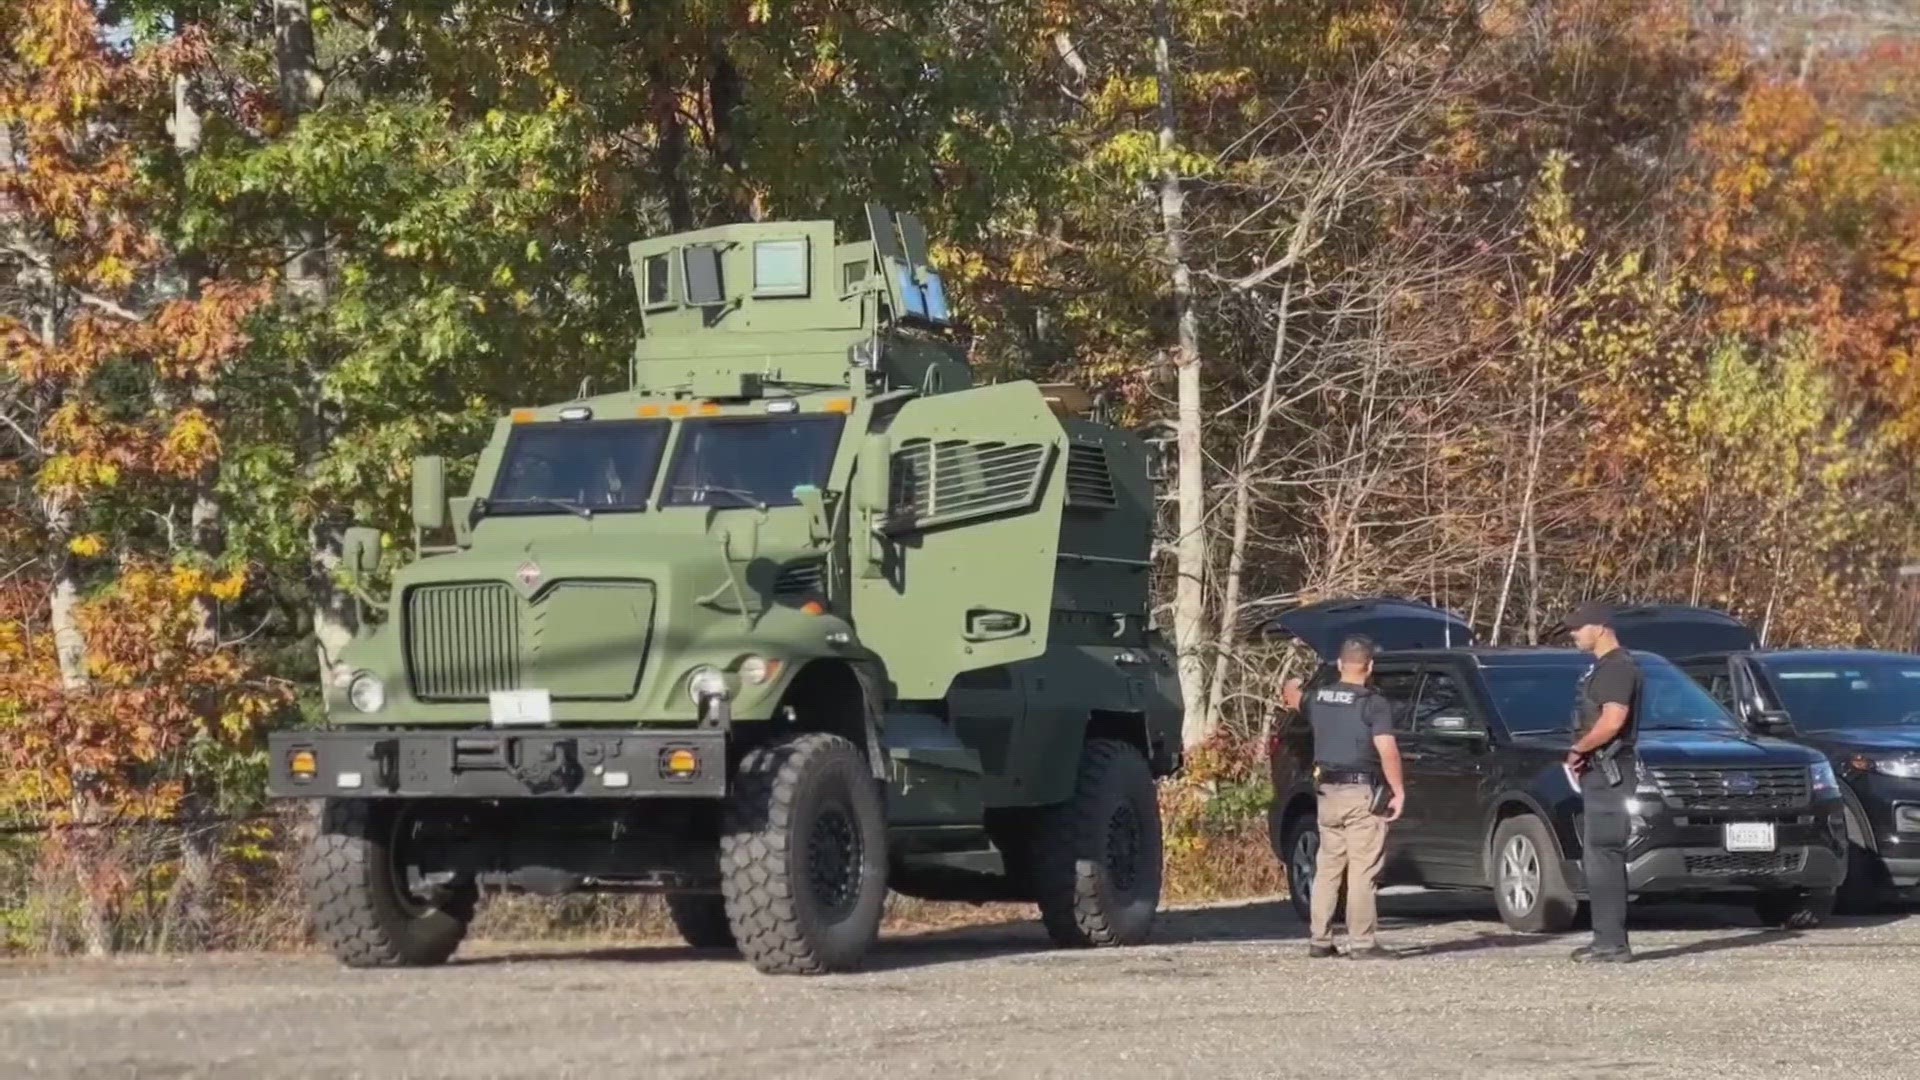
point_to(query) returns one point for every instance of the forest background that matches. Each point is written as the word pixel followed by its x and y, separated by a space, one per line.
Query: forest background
pixel 1493 303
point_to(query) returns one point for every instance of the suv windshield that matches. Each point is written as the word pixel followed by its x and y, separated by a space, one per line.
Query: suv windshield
pixel 1539 697
pixel 1825 694
pixel 606 465
pixel 728 463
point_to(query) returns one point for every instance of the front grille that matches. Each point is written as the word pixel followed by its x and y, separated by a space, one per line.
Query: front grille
pixel 1734 790
pixel 1732 863
pixel 463 641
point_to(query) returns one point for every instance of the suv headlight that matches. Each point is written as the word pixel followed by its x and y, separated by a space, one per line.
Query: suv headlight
pixel 366 692
pixel 1905 766
pixel 1824 781
pixel 707 682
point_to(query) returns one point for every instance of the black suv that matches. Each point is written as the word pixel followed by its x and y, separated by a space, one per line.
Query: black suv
pixel 1484 732
pixel 1861 708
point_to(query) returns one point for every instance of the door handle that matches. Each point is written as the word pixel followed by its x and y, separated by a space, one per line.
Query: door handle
pixel 1414 755
pixel 988 625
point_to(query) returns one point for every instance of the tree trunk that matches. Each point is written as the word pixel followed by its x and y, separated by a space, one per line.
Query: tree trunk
pixel 1190 552
pixel 1228 627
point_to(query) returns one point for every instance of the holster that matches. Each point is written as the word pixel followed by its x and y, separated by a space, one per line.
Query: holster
pixel 1609 767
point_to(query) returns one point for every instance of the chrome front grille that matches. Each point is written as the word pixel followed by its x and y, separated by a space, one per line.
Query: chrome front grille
pixel 1735 790
pixel 463 641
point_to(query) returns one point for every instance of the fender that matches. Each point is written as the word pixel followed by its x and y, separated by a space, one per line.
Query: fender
pixel 1857 813
pixel 871 675
pixel 1534 806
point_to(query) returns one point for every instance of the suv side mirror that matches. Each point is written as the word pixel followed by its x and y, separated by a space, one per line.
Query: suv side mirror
pixel 429 493
pixel 875 482
pixel 1770 721
pixel 360 550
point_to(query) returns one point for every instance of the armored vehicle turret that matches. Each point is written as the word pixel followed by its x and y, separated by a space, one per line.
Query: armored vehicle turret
pixel 802 615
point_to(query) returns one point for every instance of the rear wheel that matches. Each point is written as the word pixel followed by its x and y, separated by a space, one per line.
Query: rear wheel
pixel 1302 845
pixel 1794 909
pixel 1529 887
pixel 1096 861
pixel 803 856
pixel 367 908
pixel 701 919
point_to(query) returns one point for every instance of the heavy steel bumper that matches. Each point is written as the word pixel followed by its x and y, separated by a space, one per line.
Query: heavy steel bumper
pixel 484 764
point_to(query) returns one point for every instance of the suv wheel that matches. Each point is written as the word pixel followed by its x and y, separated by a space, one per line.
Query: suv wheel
pixel 366 908
pixel 1865 887
pixel 1794 909
pixel 701 919
pixel 1529 887
pixel 1303 861
pixel 803 856
pixel 1096 861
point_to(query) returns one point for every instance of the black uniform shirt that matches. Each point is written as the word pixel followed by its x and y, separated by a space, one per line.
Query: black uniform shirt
pixel 1614 679
pixel 1345 719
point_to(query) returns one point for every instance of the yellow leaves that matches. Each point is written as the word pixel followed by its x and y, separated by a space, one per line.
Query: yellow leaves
pixel 88 545
pixel 188 582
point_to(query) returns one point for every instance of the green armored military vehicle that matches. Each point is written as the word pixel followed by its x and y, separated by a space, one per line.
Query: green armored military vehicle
pixel 802 616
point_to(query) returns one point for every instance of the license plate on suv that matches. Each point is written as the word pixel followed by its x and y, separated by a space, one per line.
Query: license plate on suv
pixel 1750 836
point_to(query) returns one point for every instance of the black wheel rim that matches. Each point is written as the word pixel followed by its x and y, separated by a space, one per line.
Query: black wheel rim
pixel 1123 849
pixel 415 901
pixel 834 857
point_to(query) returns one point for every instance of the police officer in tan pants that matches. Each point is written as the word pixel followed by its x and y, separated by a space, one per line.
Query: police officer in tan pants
pixel 1353 751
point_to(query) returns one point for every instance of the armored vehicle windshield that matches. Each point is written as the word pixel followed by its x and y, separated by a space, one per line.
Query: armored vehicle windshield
pixel 727 461
pixel 603 466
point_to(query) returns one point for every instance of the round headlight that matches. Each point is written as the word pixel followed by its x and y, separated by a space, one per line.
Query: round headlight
pixel 755 670
pixel 706 682
pixel 367 692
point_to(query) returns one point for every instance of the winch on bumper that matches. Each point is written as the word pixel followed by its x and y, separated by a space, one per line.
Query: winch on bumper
pixel 489 764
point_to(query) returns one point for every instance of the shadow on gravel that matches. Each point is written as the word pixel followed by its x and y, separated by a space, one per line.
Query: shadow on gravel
pixel 1714 945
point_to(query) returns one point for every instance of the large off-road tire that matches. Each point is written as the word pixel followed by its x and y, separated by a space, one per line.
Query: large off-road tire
pixel 1529 886
pixel 701 919
pixel 803 856
pixel 357 891
pixel 1793 909
pixel 1096 859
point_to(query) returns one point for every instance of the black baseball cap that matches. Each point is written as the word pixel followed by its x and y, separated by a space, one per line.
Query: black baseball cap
pixel 1589 613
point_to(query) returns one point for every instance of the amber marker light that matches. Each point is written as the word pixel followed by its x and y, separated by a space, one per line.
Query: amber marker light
pixel 649 411
pixel 302 765
pixel 523 416
pixel 813 607
pixel 840 405
pixel 679 763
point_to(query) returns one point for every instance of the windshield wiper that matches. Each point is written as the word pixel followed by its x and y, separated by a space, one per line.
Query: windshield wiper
pixel 573 508
pixel 698 490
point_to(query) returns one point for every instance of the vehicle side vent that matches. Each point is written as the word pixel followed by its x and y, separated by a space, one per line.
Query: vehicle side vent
pixel 805 578
pixel 937 483
pixel 1089 480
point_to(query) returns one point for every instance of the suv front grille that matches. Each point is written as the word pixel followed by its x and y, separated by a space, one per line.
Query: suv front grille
pixel 463 641
pixel 1734 790
pixel 1732 863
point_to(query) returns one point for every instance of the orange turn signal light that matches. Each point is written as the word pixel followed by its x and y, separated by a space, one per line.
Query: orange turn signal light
pixel 813 607
pixel 679 763
pixel 302 765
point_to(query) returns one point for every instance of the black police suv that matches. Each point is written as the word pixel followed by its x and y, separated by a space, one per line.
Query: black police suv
pixel 1861 708
pixel 1483 733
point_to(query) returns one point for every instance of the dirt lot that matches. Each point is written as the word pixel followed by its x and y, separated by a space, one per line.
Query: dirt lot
pixel 1226 992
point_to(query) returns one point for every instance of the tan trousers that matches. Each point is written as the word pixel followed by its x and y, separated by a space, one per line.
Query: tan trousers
pixel 1353 844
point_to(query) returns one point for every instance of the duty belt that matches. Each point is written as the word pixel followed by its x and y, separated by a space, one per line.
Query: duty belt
pixel 1325 775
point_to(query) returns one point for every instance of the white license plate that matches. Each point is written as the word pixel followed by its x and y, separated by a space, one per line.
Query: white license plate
pixel 521 708
pixel 1750 836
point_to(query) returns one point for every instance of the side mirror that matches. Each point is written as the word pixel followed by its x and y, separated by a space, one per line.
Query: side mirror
pixel 875 480
pixel 429 493
pixel 360 550
pixel 1770 721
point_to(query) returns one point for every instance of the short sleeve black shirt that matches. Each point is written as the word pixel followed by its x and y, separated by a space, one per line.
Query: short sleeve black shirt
pixel 1614 679
pixel 1345 719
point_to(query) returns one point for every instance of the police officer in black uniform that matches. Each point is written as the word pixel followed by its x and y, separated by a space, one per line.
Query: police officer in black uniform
pixel 1354 751
pixel 1608 715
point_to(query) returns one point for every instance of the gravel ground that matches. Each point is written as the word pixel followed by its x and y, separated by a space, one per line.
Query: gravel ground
pixel 1224 992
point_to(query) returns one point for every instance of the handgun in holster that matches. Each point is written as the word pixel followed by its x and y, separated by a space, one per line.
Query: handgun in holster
pixel 1609 768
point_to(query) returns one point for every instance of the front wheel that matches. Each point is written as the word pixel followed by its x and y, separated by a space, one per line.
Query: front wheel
pixel 1529 887
pixel 1096 861
pixel 1794 909
pixel 803 856
pixel 366 908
